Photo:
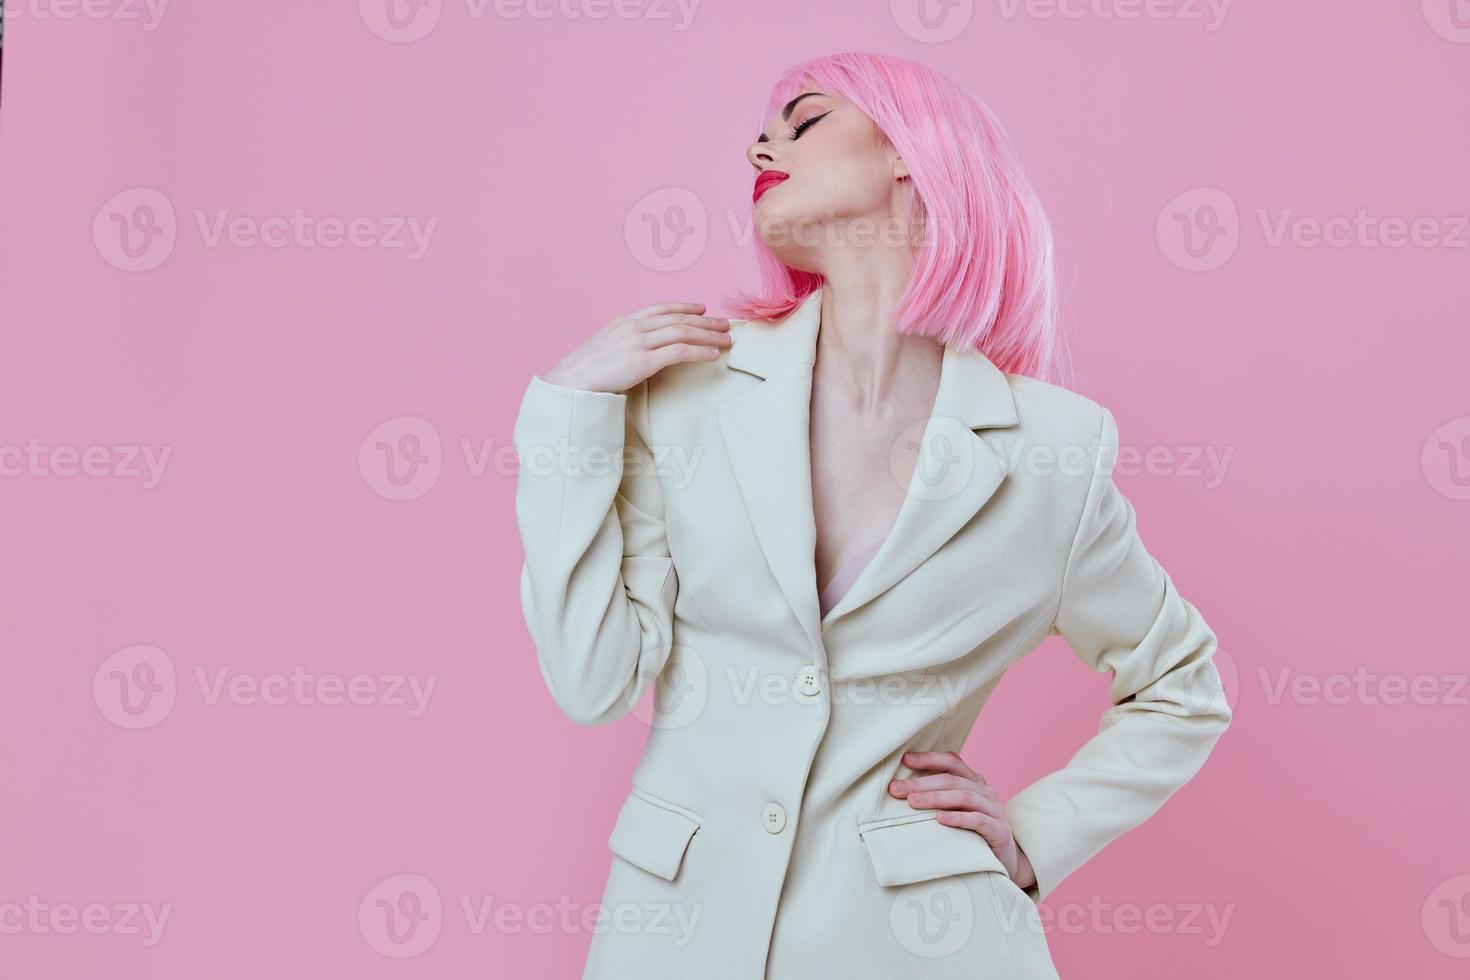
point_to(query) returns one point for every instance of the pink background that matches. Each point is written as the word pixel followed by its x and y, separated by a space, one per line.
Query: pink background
pixel 1328 830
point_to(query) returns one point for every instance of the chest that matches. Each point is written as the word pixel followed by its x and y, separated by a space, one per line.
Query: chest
pixel 861 468
pixel 972 549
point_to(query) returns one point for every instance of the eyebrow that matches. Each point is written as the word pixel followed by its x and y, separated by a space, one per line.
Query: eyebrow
pixel 786 112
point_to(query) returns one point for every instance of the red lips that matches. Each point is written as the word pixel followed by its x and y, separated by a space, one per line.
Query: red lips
pixel 766 180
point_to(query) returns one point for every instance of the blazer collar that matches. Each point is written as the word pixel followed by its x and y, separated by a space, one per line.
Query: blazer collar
pixel 766 430
pixel 971 388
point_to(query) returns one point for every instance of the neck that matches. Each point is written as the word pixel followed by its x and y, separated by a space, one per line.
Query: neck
pixel 860 356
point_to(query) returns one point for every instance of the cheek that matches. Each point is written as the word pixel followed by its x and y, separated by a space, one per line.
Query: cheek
pixel 853 184
pixel 835 184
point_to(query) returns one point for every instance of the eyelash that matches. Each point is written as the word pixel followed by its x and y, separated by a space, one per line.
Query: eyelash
pixel 796 133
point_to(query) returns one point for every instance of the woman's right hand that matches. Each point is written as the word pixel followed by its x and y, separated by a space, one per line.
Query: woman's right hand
pixel 637 345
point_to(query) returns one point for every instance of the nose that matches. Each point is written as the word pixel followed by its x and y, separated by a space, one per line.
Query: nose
pixel 760 155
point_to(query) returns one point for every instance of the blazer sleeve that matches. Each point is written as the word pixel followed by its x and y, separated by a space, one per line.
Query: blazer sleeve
pixel 598 584
pixel 1120 613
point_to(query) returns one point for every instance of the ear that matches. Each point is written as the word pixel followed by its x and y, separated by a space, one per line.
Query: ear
pixel 900 171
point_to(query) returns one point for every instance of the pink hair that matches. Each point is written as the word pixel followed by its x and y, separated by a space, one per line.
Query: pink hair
pixel 983 268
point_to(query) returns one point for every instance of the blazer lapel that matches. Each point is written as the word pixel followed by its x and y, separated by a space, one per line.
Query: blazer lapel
pixel 955 475
pixel 766 430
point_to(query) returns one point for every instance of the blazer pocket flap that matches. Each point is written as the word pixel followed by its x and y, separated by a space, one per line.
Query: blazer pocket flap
pixel 652 833
pixel 908 848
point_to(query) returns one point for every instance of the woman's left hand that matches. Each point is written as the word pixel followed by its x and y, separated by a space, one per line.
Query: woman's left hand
pixel 963 799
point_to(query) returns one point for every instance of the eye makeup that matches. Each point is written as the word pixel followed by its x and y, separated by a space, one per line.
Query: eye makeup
pixel 796 133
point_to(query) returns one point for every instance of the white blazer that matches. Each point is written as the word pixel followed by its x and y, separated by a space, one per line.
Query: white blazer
pixel 759 838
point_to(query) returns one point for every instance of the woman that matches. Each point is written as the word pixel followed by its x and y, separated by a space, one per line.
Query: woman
pixel 875 425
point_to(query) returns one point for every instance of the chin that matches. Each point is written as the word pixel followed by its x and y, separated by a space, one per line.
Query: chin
pixel 789 228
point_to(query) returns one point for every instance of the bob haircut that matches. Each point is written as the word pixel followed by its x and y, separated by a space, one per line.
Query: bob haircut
pixel 984 275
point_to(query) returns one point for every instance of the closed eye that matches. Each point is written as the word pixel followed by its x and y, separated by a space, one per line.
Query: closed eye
pixel 796 133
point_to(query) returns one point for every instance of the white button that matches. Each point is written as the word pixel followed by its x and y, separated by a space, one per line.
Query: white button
pixel 773 818
pixel 809 681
